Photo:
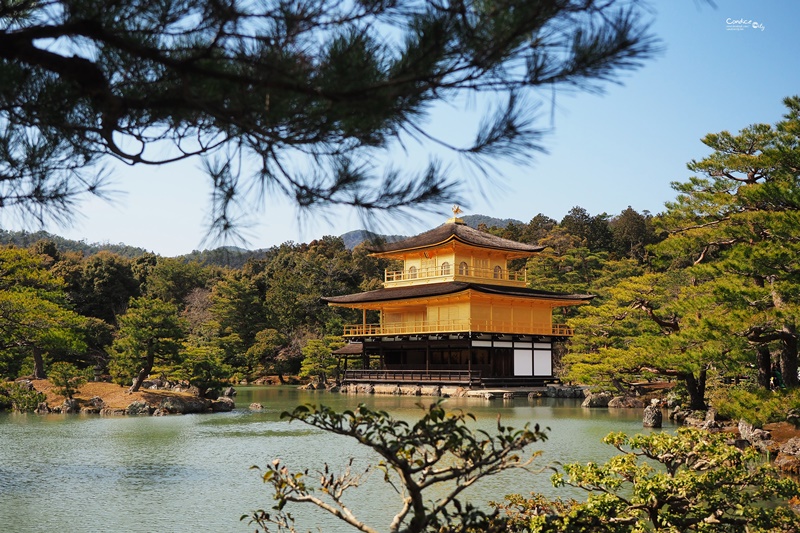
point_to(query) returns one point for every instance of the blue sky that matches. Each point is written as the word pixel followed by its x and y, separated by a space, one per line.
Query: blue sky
pixel 605 152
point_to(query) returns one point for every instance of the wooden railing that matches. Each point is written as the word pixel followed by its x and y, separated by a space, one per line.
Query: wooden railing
pixel 457 326
pixel 432 273
pixel 467 377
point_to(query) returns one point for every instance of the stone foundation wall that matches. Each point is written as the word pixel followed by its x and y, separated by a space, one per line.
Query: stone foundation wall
pixel 447 391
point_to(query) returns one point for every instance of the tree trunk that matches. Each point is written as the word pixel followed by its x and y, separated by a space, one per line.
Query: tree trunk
pixel 697 390
pixel 764 364
pixel 623 388
pixel 143 373
pixel 281 378
pixel 789 358
pixel 38 364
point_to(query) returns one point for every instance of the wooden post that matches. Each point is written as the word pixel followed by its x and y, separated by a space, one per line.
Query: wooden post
pixel 428 356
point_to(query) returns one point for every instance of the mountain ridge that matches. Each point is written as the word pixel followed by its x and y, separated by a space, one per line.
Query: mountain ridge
pixel 229 256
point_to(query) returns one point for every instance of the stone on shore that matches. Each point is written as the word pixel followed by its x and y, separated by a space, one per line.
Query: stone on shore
pixel 70 406
pixel 176 405
pixel 599 399
pixel 758 438
pixel 139 408
pixel 788 459
pixel 626 402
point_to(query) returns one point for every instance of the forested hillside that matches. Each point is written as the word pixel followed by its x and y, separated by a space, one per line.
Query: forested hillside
pixel 24 239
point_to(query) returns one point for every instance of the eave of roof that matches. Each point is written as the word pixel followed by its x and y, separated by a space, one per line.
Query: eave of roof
pixel 351 348
pixel 452 287
pixel 455 231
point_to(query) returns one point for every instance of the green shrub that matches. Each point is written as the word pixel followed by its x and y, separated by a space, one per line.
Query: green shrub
pixel 67 378
pixel 692 481
pixel 24 400
pixel 757 406
pixel 204 368
pixel 5 400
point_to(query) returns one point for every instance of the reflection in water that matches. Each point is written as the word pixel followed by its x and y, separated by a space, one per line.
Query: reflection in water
pixel 184 473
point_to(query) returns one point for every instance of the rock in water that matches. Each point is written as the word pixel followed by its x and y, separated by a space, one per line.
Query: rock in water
pixel 222 405
pixel 652 417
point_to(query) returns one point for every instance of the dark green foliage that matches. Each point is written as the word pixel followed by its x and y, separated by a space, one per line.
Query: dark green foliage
pixel 756 405
pixel 631 233
pixel 351 239
pixel 593 231
pixel 171 280
pixel 5 399
pixel 318 360
pixel 25 239
pixel 474 221
pixel 99 286
pixel 203 367
pixel 150 332
pixel 35 318
pixel 268 351
pixel 237 311
pixel 22 398
pixel 719 292
pixel 225 256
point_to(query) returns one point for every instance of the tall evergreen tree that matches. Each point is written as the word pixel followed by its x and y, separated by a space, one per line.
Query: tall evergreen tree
pixel 739 222
pixel 149 332
pixel 724 286
pixel 35 318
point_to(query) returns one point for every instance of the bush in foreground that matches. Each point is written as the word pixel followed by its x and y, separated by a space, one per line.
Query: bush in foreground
pixel 438 456
pixel 688 482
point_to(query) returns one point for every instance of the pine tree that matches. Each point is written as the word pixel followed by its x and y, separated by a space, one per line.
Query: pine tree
pixel 272 89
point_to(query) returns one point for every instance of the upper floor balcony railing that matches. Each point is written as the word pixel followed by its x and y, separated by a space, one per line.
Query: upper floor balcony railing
pixel 457 326
pixel 448 272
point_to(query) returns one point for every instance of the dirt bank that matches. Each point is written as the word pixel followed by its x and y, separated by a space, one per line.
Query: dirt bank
pixel 113 395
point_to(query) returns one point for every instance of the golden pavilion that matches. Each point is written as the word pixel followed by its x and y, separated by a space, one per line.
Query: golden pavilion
pixel 455 313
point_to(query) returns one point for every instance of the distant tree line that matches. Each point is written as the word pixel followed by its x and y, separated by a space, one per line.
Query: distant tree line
pixel 25 239
pixel 167 316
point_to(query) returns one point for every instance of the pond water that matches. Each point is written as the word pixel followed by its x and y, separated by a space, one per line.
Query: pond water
pixel 83 473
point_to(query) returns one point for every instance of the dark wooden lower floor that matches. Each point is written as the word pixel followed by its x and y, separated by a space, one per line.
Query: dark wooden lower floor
pixel 460 359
